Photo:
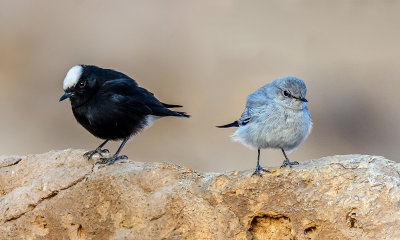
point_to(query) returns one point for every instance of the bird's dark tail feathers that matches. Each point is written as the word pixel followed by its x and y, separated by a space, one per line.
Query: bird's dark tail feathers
pixel 168 112
pixel 180 114
pixel 171 105
pixel 234 124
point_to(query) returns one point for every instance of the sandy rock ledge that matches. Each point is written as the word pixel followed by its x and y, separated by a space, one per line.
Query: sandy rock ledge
pixel 61 195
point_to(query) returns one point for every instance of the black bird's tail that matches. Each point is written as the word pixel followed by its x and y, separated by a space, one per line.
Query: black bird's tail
pixel 164 111
pixel 234 124
pixel 171 105
pixel 180 114
pixel 173 113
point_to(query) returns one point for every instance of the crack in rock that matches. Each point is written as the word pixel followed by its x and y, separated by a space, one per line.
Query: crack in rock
pixel 50 196
pixel 13 162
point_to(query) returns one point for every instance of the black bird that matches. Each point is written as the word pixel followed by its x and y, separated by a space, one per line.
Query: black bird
pixel 111 106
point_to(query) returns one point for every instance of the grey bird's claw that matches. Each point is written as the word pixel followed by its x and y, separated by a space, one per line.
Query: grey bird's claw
pixel 286 162
pixel 258 171
pixel 99 151
pixel 111 160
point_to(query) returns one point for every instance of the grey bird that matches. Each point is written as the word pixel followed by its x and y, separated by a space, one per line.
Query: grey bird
pixel 276 116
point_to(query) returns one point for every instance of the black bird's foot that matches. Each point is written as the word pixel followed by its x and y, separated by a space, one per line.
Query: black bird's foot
pixel 111 160
pixel 286 162
pixel 99 151
pixel 258 171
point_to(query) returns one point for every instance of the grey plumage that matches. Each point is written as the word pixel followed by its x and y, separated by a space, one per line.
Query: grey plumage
pixel 276 116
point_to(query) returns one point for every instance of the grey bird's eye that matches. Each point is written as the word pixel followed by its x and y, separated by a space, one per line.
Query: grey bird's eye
pixel 286 93
pixel 82 84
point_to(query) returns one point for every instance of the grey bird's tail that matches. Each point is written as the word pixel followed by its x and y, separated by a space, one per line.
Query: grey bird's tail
pixel 234 124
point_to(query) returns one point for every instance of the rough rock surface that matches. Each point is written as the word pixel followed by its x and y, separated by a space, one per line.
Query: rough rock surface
pixel 61 195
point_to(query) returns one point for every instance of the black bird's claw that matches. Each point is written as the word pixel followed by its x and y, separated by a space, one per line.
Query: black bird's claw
pixel 286 162
pixel 111 160
pixel 100 151
pixel 258 171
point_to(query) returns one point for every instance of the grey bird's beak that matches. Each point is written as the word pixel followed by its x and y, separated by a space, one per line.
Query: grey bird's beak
pixel 303 99
pixel 65 96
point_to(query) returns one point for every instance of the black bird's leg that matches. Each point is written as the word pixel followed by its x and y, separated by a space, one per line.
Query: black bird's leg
pixel 116 156
pixel 258 167
pixel 97 150
pixel 287 162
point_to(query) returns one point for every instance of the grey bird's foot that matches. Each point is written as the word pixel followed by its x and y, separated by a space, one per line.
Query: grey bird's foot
pixel 99 151
pixel 286 162
pixel 111 160
pixel 258 171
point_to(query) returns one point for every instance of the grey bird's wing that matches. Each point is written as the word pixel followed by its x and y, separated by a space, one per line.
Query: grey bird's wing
pixel 255 104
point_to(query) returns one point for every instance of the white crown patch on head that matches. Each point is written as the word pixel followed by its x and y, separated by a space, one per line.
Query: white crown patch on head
pixel 73 76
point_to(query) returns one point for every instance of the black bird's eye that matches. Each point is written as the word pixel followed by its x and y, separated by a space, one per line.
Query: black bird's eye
pixel 286 93
pixel 82 84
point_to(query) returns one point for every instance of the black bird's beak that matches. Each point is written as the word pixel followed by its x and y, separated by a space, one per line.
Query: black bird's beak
pixel 303 99
pixel 65 96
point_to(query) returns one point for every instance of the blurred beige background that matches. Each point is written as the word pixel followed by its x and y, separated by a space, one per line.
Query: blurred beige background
pixel 207 56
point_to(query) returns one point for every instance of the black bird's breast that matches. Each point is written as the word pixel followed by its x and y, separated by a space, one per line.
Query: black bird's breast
pixel 109 119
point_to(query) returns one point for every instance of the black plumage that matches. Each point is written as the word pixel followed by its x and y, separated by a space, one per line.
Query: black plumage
pixel 111 105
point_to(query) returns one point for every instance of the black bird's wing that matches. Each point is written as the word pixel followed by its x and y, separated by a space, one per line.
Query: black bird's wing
pixel 124 93
pixel 159 108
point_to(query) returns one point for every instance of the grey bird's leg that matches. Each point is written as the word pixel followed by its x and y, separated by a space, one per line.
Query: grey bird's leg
pixel 287 162
pixel 116 156
pixel 97 150
pixel 258 167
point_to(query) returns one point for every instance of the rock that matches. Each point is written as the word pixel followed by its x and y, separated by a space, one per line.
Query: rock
pixel 61 195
